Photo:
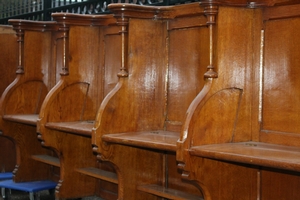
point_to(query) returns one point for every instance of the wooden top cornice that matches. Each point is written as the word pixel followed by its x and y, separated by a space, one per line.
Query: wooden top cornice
pixel 126 10
pixel 88 20
pixel 20 24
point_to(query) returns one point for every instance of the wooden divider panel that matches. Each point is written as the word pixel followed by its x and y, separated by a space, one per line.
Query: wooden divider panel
pixel 138 123
pixel 238 134
pixel 8 57
pixel 22 99
pixel 88 56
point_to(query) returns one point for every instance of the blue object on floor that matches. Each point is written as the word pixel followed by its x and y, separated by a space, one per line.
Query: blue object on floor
pixel 31 187
pixel 6 175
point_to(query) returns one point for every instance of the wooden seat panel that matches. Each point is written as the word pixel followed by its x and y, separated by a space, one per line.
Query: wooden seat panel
pixel 22 99
pixel 253 153
pixel 25 119
pixel 252 143
pixel 81 127
pixel 66 119
pixel 160 140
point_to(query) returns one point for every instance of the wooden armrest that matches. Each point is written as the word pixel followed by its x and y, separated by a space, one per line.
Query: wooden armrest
pixel 162 140
pixel 24 119
pixel 254 153
pixel 78 127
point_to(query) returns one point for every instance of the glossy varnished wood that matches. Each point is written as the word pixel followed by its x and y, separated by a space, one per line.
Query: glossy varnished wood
pixel 161 140
pixel 8 65
pixel 8 57
pixel 35 75
pixel 255 153
pixel 78 127
pixel 240 133
pixel 139 122
pixel 24 119
pixel 86 57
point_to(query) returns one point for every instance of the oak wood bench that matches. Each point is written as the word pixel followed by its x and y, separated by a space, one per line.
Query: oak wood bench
pixel 139 121
pixel 88 56
pixel 21 101
pixel 241 134
pixel 8 58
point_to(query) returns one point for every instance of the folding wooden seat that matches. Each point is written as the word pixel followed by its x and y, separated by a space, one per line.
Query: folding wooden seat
pixel 89 57
pixel 21 101
pixel 241 134
pixel 165 53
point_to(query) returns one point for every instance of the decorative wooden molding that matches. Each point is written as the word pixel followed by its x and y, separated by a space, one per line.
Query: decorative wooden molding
pixel 20 26
pixel 63 35
pixel 84 20
pixel 123 23
pixel 211 11
pixel 20 40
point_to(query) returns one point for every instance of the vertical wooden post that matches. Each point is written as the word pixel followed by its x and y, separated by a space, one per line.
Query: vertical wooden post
pixel 211 11
pixel 20 40
pixel 123 22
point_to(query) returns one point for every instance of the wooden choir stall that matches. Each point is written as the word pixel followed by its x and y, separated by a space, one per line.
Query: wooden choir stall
pixel 139 121
pixel 193 101
pixel 88 62
pixel 8 62
pixel 240 139
pixel 21 101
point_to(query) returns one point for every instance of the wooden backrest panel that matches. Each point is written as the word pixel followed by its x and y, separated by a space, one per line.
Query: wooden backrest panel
pixel 82 87
pixel 257 54
pixel 37 55
pixel 9 47
pixel 279 98
pixel 112 54
pixel 82 79
pixel 233 61
pixel 147 75
pixel 188 59
pixel 162 78
pixel 35 76
pixel 8 57
pixel 35 61
pixel 280 76
pixel 89 60
pixel 165 59
pixel 262 62
pixel 142 93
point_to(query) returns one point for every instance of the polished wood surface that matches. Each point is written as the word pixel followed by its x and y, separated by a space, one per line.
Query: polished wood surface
pixel 87 59
pixel 139 122
pixel 8 56
pixel 8 63
pixel 240 136
pixel 255 153
pixel 195 101
pixel 35 75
